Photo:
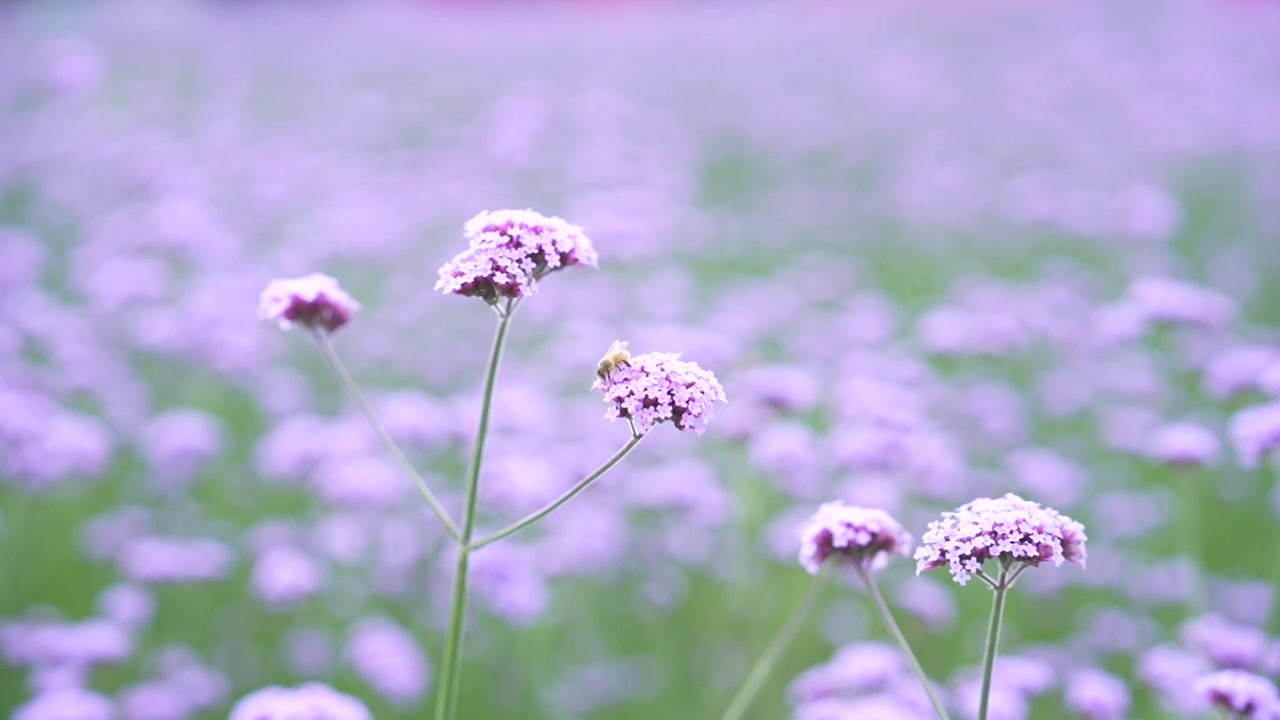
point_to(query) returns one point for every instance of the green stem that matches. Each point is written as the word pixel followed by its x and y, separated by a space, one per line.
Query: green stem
pixel 869 581
pixel 353 390
pixel 568 495
pixel 764 665
pixel 993 640
pixel 450 666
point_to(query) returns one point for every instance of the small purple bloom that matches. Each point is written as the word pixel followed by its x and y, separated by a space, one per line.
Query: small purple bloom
pixel 129 605
pixel 1185 444
pixel 1255 433
pixel 1007 528
pixel 285 575
pixel 1227 644
pixel 1240 692
pixel 160 559
pixel 857 535
pixel 1238 369
pixel 313 300
pixel 177 442
pixel 658 387
pixel 66 704
pixel 312 701
pixel 389 659
pixel 1097 695
pixel 1177 302
pixel 510 250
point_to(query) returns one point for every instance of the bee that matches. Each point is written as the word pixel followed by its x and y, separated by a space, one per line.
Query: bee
pixel 617 356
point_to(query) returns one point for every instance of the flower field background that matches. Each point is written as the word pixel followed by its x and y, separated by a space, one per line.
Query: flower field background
pixel 932 251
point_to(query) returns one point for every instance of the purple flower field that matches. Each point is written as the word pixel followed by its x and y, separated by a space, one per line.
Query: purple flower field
pixel 945 376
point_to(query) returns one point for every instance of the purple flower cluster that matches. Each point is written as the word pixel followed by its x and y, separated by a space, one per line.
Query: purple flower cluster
pixel 315 301
pixel 509 251
pixel 1006 528
pixel 658 387
pixel 312 701
pixel 858 535
pixel 1244 694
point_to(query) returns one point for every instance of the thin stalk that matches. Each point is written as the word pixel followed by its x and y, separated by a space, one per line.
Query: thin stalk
pixel 869 581
pixel 568 495
pixel 450 665
pixel 993 641
pixel 764 665
pixel 353 390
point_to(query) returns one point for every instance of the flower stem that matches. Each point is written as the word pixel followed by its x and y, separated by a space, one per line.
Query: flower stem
pixel 568 495
pixel 869 581
pixel 353 390
pixel 764 665
pixel 450 666
pixel 993 641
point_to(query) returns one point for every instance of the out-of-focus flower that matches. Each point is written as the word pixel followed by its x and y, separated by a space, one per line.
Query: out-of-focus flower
pixel 312 701
pixel 510 250
pixel 1006 703
pixel 45 642
pixel 854 669
pixel 1177 302
pixel 160 559
pixel 314 300
pixel 389 660
pixel 154 700
pixel 285 575
pixel 1255 433
pixel 507 580
pixel 857 535
pixel 1028 675
pixel 177 442
pixel 1185 444
pixel 658 387
pixel 1173 671
pixel 1097 695
pixel 1046 474
pixel 1243 693
pixel 129 605
pixel 66 704
pixel 1238 369
pixel 999 528
pixel 1226 644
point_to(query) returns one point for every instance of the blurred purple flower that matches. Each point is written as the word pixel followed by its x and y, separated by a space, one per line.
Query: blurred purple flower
pixel 1177 302
pixel 658 387
pixel 361 483
pixel 688 486
pixel 1006 527
pixel 928 600
pixel 854 669
pixel 66 704
pixel 1238 369
pixel 312 701
pixel 1184 444
pixel 415 419
pixel 286 575
pixel 1173 671
pixel 314 300
pixel 509 251
pixel 45 642
pixel 1045 473
pixel 154 700
pixel 1006 703
pixel 1097 695
pixel 506 579
pixel 177 442
pixel 1242 693
pixel 132 606
pixel 788 387
pixel 857 535
pixel 1255 433
pixel 388 658
pixel 160 559
pixel 1226 644
pixel 788 452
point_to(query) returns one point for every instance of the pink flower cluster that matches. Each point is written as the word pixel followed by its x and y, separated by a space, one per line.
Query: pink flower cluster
pixel 313 300
pixel 996 528
pixel 855 534
pixel 657 387
pixel 509 251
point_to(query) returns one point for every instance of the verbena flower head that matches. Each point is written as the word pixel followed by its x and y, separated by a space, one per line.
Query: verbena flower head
pixel 858 535
pixel 999 528
pixel 509 251
pixel 1184 444
pixel 312 701
pixel 1241 693
pixel 1097 695
pixel 658 387
pixel 1255 433
pixel 314 300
